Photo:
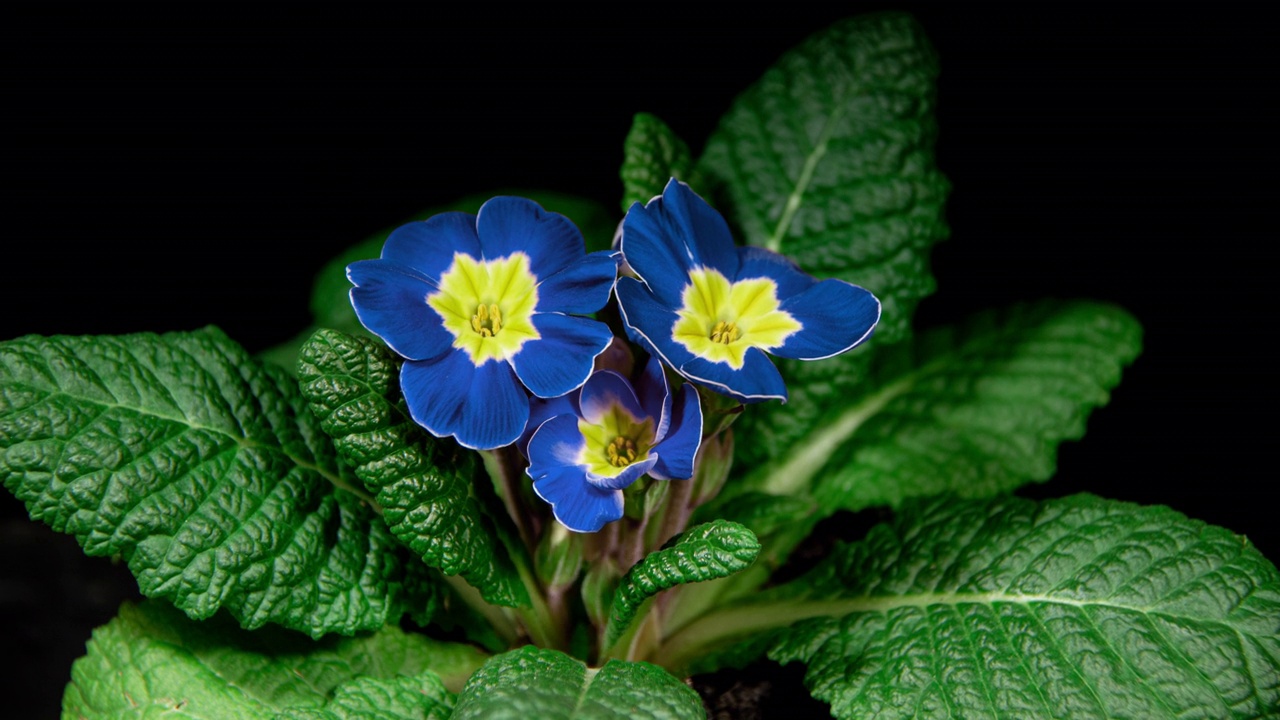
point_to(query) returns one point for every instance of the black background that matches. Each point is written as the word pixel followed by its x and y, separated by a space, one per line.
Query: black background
pixel 163 172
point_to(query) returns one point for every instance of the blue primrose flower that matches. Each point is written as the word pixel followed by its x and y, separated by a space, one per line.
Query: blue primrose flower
pixel 711 309
pixel 607 436
pixel 479 305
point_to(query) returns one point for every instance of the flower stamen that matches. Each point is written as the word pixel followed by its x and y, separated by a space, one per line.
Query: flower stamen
pixel 725 333
pixel 621 452
pixel 487 320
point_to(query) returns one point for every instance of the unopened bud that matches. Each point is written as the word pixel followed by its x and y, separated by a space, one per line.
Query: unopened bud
pixel 711 467
pixel 558 558
pixel 598 588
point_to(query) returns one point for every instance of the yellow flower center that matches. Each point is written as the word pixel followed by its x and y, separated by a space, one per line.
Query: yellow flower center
pixel 720 320
pixel 487 321
pixel 621 452
pixel 488 305
pixel 617 440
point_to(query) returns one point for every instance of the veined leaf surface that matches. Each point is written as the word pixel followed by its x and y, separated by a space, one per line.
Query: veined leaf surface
pixel 549 685
pixel 152 662
pixel 424 487
pixel 202 469
pixel 1079 607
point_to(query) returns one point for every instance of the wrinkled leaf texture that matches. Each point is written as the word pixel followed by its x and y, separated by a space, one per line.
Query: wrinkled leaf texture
pixel 204 471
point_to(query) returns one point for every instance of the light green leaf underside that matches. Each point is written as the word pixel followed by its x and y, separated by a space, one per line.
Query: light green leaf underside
pixel 152 662
pixel 652 155
pixel 1079 608
pixel 405 698
pixel 974 410
pixel 424 486
pixel 549 685
pixel 713 550
pixel 203 470
pixel 829 159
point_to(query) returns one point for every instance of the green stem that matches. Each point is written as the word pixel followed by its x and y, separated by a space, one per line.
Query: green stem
pixel 727 626
pixel 538 620
pixel 499 618
pixel 502 468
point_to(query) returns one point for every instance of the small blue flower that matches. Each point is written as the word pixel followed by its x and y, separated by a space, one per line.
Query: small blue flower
pixel 581 460
pixel 711 309
pixel 477 305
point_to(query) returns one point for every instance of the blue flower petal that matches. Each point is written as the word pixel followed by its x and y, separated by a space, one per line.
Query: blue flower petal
pixel 602 391
pixel 757 380
pixel 583 287
pixel 561 359
pixel 540 411
pixel 649 323
pixel 428 245
pixel 556 443
pixel 760 263
pixel 390 300
pixel 835 316
pixel 673 234
pixel 496 409
pixel 435 390
pixel 576 503
pixel 553 456
pixel 629 474
pixel 676 452
pixel 482 407
pixel 515 224
pixel 655 396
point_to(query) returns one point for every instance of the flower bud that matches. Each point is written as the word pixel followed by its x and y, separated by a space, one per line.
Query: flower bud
pixel 598 588
pixel 712 465
pixel 558 559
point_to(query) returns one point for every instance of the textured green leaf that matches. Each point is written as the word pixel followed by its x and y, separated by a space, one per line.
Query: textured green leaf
pixel 974 410
pixel 422 697
pixel 152 662
pixel 829 159
pixel 424 486
pixel 652 155
pixel 203 470
pixel 1079 608
pixel 713 550
pixel 549 685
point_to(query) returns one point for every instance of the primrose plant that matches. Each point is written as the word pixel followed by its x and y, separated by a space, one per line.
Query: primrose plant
pixel 533 466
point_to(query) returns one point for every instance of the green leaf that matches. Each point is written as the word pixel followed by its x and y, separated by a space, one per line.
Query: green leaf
pixel 152 662
pixel 829 159
pixel 974 410
pixel 1080 608
pixel 403 698
pixel 330 296
pixel 652 155
pixel 713 550
pixel 203 470
pixel 549 685
pixel 424 486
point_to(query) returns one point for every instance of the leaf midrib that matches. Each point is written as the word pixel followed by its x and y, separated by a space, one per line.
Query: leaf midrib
pixel 241 441
pixel 744 621
pixel 792 206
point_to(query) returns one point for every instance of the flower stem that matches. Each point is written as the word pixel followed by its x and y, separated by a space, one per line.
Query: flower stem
pixel 499 618
pixel 503 465
pixel 544 629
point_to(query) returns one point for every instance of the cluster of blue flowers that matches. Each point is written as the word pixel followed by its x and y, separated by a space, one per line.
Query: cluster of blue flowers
pixel 487 311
